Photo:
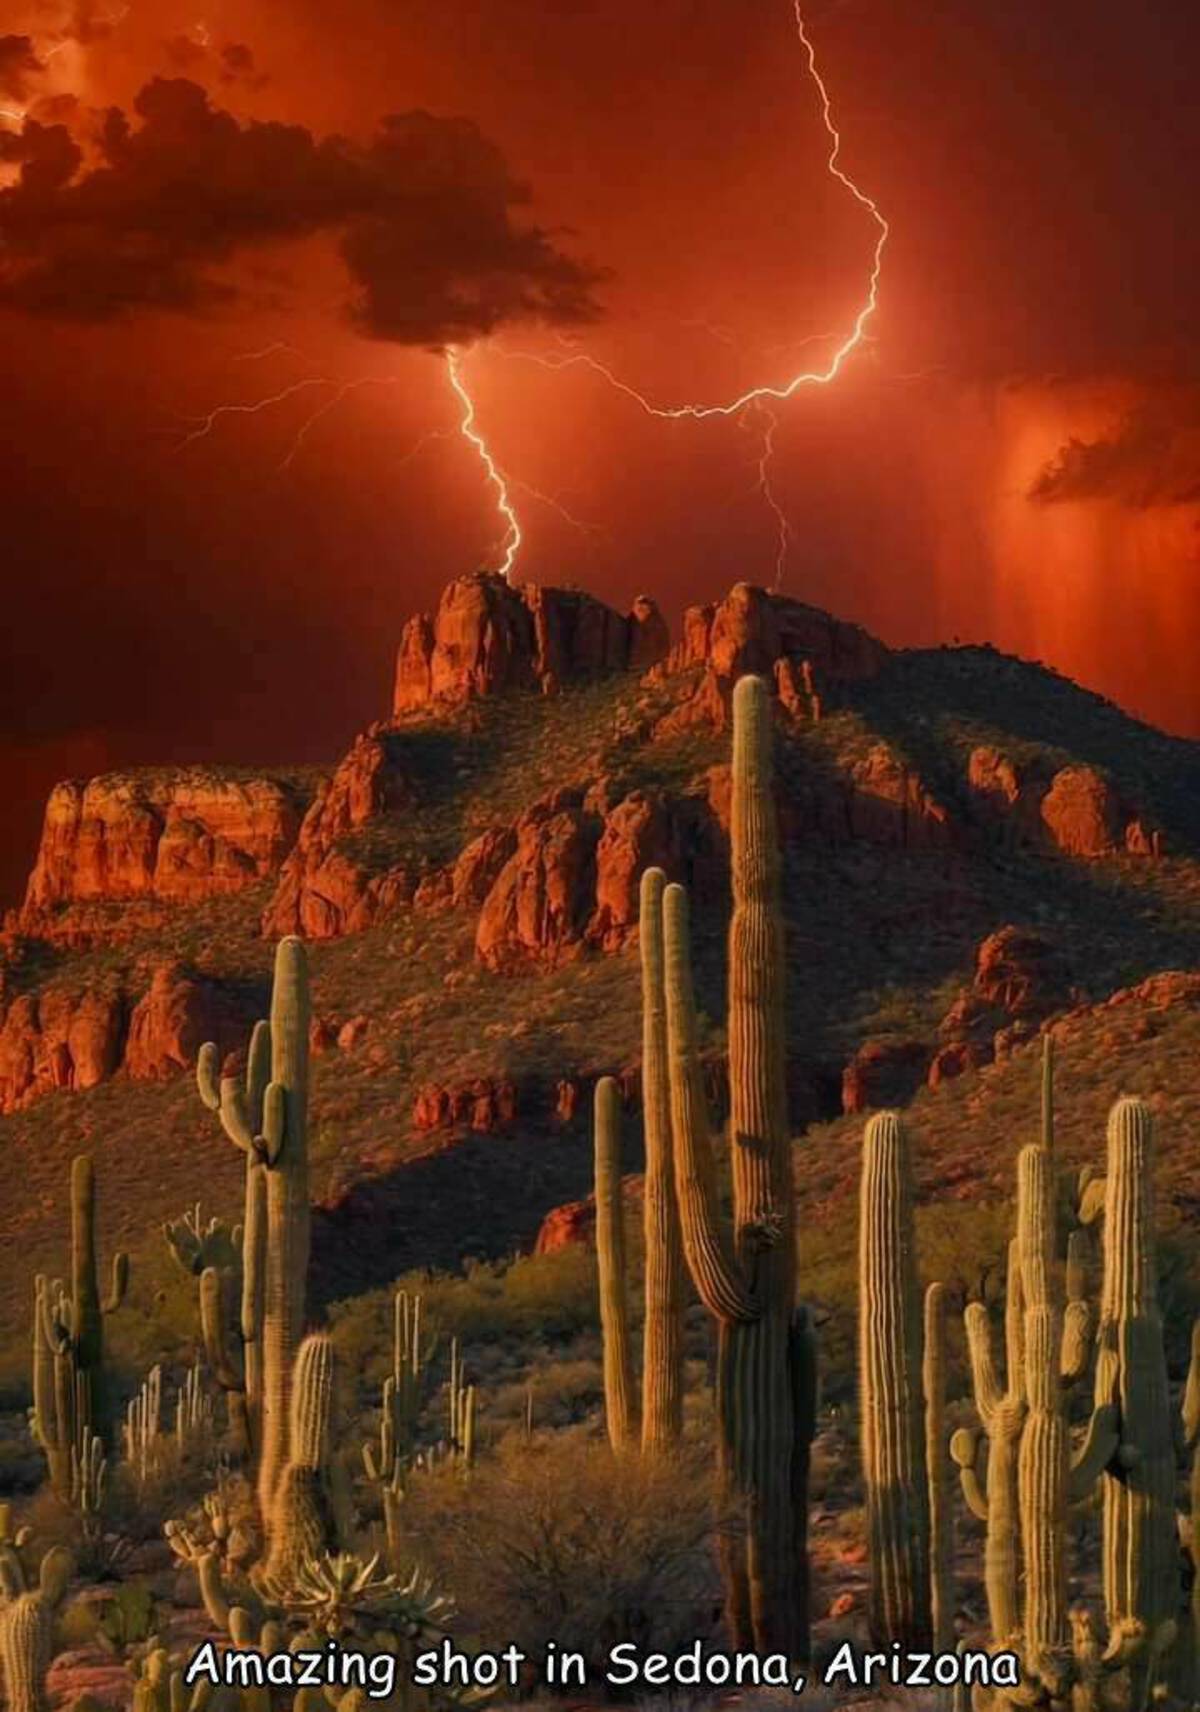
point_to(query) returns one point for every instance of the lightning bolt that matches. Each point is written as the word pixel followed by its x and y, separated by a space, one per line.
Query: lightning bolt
pixel 770 422
pixel 752 407
pixel 511 544
pixel 760 398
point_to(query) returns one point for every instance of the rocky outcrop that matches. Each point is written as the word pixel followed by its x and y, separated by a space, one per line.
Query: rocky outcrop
pixel 573 1225
pixel 637 835
pixel 58 1039
pixel 1077 810
pixel 1018 982
pixel 323 890
pixel 538 906
pixel 888 804
pixel 484 1104
pixel 170 1023
pixel 1019 971
pixel 883 1073
pixel 489 636
pixel 754 631
pixel 1081 812
pixel 177 836
pixel 1085 815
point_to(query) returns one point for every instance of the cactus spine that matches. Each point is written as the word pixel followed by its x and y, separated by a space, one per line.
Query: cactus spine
pixel 893 1448
pixel 300 1523
pixel 662 1345
pixel 749 1286
pixel 1140 1552
pixel 620 1400
pixel 268 1120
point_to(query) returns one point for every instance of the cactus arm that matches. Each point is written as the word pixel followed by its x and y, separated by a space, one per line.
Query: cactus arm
pixel 119 1285
pixel 706 1248
pixel 1014 1321
pixel 212 1589
pixel 212 1327
pixel 964 1452
pixel 1190 1407
pixel 1095 1453
pixel 235 1118
pixel 258 1065
pixel 208 1076
pixel 1076 1341
pixel 274 1125
pixel 1091 1201
pixel 989 1393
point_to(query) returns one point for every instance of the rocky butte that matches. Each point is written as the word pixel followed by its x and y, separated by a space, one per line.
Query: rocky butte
pixel 554 876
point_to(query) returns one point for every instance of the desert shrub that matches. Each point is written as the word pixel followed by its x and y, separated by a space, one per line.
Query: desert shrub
pixel 525 1305
pixel 558 1540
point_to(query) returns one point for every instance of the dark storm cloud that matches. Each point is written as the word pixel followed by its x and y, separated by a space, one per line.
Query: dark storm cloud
pixel 1152 458
pixel 18 64
pixel 424 217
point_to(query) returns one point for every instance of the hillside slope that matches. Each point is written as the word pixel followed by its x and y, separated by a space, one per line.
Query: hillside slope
pixel 973 846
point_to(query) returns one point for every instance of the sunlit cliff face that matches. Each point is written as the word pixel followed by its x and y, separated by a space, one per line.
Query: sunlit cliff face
pixel 1104 590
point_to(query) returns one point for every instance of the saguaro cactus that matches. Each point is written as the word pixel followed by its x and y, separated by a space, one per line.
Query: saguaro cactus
pixel 893 1448
pixel 1001 1409
pixel 88 1308
pixel 662 1344
pixel 70 1393
pixel 1140 1548
pixel 620 1396
pixel 27 1627
pixel 1049 1477
pixel 765 1349
pixel 300 1526
pixel 939 1472
pixel 268 1120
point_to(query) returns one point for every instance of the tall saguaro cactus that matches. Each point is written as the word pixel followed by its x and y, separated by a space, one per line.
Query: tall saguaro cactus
pixel 70 1392
pixel 662 1343
pixel 1049 1477
pixel 1140 1549
pixel 765 1351
pixel 88 1308
pixel 268 1120
pixel 620 1395
pixel 939 1473
pixel 1000 1405
pixel 893 1448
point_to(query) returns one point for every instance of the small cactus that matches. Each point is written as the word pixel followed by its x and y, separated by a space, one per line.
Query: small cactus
pixel 27 1628
pixel 299 1525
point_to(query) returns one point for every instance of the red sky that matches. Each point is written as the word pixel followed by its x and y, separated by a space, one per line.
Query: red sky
pixel 1014 456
